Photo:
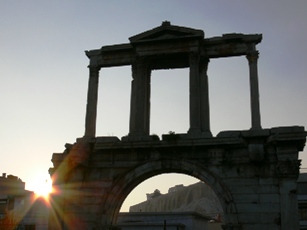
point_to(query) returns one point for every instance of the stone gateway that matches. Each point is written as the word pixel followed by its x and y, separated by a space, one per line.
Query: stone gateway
pixel 253 172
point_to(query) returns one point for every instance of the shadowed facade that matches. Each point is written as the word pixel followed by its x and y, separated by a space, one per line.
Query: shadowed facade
pixel 253 172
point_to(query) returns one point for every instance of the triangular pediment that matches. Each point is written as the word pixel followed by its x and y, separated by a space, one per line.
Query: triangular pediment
pixel 166 32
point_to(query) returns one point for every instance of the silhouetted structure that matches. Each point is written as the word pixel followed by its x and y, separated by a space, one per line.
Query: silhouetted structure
pixel 253 172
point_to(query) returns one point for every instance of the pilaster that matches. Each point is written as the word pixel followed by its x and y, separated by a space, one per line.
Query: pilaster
pixel 288 170
pixel 288 204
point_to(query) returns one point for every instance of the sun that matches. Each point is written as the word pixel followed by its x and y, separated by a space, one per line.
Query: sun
pixel 42 188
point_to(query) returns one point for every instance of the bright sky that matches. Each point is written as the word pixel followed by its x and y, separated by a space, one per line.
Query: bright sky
pixel 44 75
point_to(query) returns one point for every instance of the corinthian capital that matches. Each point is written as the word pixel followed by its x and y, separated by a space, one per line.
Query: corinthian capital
pixel 252 56
pixel 194 56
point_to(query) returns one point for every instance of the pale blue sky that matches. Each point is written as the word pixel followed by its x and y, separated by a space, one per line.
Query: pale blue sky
pixel 43 71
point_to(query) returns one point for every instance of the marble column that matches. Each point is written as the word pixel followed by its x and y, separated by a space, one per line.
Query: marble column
pixel 252 58
pixel 195 99
pixel 204 97
pixel 91 107
pixel 140 99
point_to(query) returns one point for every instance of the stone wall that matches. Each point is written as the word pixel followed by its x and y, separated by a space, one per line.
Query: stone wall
pixel 253 174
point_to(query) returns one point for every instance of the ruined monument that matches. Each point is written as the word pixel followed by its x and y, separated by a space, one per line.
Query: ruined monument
pixel 253 172
pixel 198 197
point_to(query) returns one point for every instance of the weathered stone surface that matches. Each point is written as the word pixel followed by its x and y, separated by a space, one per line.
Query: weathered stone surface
pixel 262 162
pixel 164 47
pixel 264 218
pixel 261 226
pixel 244 188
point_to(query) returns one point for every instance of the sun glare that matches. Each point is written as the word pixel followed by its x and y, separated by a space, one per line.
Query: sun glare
pixel 43 188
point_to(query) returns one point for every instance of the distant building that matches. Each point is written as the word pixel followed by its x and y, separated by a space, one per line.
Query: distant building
pixel 155 194
pixel 12 189
pixel 175 188
pixel 20 208
pixel 11 184
pixel 198 197
pixel 183 207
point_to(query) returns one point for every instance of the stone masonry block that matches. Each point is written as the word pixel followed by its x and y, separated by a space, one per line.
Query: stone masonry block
pixel 92 208
pixel 241 181
pixel 246 198
pixel 268 181
pixel 252 189
pixel 94 174
pixel 260 226
pixel 141 169
pixel 102 157
pixel 91 199
pixel 255 218
pixel 254 208
pixel 269 198
pixel 100 184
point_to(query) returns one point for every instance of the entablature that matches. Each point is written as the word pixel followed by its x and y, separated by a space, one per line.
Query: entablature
pixel 279 136
pixel 227 45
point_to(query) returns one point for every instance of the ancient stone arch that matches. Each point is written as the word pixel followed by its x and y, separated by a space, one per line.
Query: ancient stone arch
pixel 129 181
pixel 253 172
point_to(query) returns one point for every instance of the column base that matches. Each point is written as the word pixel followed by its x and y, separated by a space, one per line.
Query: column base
pixel 140 138
pixel 198 134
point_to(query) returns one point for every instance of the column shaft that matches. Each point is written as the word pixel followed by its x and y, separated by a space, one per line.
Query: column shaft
pixel 140 99
pixel 91 107
pixel 254 91
pixel 147 86
pixel 204 94
pixel 195 108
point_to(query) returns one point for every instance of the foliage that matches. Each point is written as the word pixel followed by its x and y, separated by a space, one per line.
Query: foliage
pixel 171 133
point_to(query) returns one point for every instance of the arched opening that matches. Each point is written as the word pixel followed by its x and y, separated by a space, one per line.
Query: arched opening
pixel 162 182
pixel 136 176
pixel 174 198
